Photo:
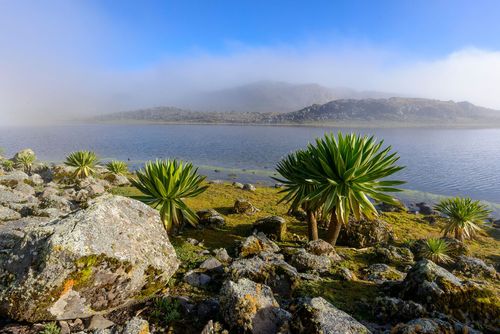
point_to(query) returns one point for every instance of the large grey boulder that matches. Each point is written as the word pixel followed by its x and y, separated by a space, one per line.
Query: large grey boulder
pixel 17 200
pixel 317 316
pixel 252 308
pixel 114 253
pixel 439 290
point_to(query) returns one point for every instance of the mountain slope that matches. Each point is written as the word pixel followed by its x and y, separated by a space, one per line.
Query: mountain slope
pixel 394 109
pixel 271 96
pixel 403 111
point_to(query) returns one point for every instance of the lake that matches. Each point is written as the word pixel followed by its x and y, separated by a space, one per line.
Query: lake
pixel 450 162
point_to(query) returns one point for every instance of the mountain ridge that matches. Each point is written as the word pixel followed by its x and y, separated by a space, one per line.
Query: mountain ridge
pixel 377 111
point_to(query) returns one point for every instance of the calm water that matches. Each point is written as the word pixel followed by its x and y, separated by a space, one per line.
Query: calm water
pixel 439 161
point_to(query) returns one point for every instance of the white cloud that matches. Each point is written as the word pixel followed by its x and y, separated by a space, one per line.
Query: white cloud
pixel 49 69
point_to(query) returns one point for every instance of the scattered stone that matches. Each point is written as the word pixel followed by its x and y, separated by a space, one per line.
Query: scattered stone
pixel 99 322
pixel 8 214
pixel 76 325
pixel 196 278
pixel 117 180
pixel 244 206
pixel 238 185
pixel 36 179
pixel 321 247
pixel 136 325
pixel 380 272
pixel 210 218
pixel 208 309
pixel 271 226
pixel 474 268
pixel 215 182
pixel 12 179
pixel 346 274
pixel 94 260
pixel 192 241
pixel 305 261
pixel 222 255
pixel 211 264
pixel 257 243
pixel 396 310
pixel 363 233
pixel 64 326
pixel 432 326
pixel 317 316
pixel 249 187
pixel 399 256
pixel 25 189
pixel 251 307
pixel 424 208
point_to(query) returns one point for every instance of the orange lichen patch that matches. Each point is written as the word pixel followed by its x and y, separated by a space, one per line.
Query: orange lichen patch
pixel 144 329
pixel 68 285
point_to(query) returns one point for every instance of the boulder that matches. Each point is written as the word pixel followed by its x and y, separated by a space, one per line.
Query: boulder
pixel 248 187
pixel 244 206
pixel 424 208
pixel 12 179
pixel 222 255
pixel 210 218
pixel 317 316
pixel 117 180
pixel 17 200
pixel 365 233
pixel 196 278
pixel 57 202
pixel 272 226
pixel 305 261
pixel 474 268
pixel 238 185
pixel 321 247
pixel 136 325
pixel 380 272
pixel 94 261
pixel 257 243
pixel 439 290
pixel 211 264
pixel 432 326
pixel 396 310
pixel 25 188
pixel 36 180
pixel 8 214
pixel 399 256
pixel 252 308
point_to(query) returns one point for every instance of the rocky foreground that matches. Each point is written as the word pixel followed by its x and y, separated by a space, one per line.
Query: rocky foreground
pixel 75 258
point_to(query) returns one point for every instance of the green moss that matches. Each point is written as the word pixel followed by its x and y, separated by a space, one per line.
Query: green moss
pixel 353 297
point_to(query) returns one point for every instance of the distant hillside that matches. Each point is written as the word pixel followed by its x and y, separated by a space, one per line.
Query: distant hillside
pixel 270 97
pixel 404 111
pixel 394 109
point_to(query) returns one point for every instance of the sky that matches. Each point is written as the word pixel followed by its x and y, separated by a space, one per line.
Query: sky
pixel 64 58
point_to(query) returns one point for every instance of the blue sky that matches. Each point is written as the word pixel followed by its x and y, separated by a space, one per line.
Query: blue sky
pixel 60 57
pixel 151 30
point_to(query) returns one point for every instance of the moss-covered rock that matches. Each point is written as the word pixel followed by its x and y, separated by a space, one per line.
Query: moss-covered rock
pixel 109 255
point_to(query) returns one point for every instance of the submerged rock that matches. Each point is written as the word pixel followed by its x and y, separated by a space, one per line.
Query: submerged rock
pixel 251 307
pixel 109 255
pixel 317 316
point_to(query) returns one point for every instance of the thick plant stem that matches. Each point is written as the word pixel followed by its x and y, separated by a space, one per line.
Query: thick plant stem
pixel 333 229
pixel 312 225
